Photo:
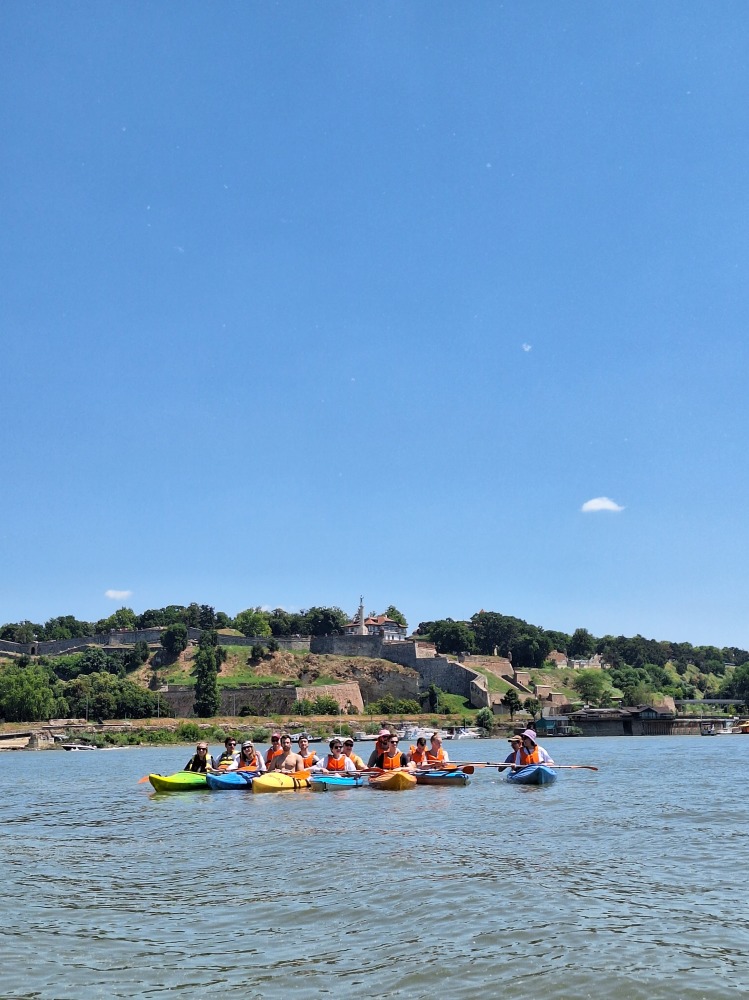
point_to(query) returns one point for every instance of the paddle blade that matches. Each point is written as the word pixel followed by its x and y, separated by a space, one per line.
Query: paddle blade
pixel 143 779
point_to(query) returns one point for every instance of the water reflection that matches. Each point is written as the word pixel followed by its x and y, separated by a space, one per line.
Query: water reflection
pixel 610 885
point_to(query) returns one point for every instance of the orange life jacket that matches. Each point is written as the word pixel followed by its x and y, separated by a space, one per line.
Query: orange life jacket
pixel 249 765
pixel 271 754
pixel 392 763
pixel 309 760
pixel 435 758
pixel 419 755
pixel 332 764
pixel 529 756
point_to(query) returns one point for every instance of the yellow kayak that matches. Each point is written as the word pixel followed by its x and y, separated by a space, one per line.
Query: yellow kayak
pixel 393 781
pixel 278 782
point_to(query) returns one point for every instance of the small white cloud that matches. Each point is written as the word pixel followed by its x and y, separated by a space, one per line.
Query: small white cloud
pixel 527 347
pixel 599 503
pixel 118 595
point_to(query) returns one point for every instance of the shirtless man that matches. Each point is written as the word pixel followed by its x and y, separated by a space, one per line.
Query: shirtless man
pixel 286 761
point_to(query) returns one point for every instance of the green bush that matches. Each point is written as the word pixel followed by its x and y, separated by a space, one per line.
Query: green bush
pixel 189 732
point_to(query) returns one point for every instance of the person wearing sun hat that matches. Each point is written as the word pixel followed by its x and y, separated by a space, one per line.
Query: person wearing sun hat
pixel 348 750
pixel 531 752
pixel 516 743
pixel 249 759
pixel 380 747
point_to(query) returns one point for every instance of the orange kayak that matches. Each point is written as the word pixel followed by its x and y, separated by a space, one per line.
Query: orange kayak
pixel 393 781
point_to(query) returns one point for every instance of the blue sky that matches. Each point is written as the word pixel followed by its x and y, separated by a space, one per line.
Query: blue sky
pixel 302 301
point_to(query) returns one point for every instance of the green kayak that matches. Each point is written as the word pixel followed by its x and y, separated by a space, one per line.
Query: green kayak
pixel 182 781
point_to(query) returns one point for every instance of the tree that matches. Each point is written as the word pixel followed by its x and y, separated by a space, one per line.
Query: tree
pixel 325 621
pixel 529 649
pixel 206 616
pixel 737 685
pixel 532 707
pixel 590 685
pixel 582 645
pixel 174 640
pixel 207 699
pixel 452 637
pixel 326 705
pixel 392 612
pixel 26 693
pixel 511 701
pixel 485 718
pixel 253 622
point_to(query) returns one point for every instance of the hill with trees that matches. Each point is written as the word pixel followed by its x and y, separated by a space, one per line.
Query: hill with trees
pixel 111 683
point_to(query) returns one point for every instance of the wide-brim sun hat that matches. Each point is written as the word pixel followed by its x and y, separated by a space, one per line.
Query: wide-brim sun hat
pixel 530 733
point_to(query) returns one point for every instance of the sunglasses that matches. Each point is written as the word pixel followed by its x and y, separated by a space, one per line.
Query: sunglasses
pixel 336 746
pixel 392 742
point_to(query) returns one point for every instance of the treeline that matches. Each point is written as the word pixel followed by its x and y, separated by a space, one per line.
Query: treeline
pixel 37 691
pixel 529 645
pixel 251 621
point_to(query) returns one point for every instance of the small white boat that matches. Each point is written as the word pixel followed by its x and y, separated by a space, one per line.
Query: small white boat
pixel 77 746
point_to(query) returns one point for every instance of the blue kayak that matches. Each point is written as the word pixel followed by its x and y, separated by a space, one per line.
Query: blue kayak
pixel 534 774
pixel 327 782
pixel 237 780
pixel 435 777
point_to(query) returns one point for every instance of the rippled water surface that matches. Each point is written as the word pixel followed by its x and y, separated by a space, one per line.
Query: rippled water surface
pixel 626 883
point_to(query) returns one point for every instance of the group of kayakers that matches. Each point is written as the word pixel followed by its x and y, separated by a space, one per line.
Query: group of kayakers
pixel 341 757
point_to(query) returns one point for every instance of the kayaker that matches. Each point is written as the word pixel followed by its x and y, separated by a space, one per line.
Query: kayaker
pixel 200 761
pixel 275 748
pixel 418 754
pixel 286 760
pixel 249 759
pixel 516 742
pixel 348 749
pixel 380 746
pixel 336 761
pixel 393 759
pixel 228 757
pixel 531 752
pixel 435 753
pixel 308 756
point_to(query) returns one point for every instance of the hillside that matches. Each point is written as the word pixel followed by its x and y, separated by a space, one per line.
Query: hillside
pixel 288 668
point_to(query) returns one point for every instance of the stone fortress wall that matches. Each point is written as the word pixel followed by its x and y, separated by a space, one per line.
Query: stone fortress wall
pixel 445 673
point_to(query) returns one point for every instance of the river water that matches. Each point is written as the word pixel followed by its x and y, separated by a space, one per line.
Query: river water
pixel 626 883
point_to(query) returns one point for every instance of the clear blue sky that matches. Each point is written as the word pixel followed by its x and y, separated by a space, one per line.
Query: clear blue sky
pixel 306 300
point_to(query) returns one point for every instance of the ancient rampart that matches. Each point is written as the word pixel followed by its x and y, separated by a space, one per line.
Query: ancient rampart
pixel 449 675
pixel 152 636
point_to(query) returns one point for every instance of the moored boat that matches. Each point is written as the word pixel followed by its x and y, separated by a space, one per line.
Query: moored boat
pixel 182 781
pixel 393 781
pixel 237 780
pixel 278 782
pixel 77 746
pixel 449 778
pixel 533 774
pixel 328 782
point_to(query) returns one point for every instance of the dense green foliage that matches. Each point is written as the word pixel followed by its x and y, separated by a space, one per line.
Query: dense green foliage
pixel 87 686
pixel 208 660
